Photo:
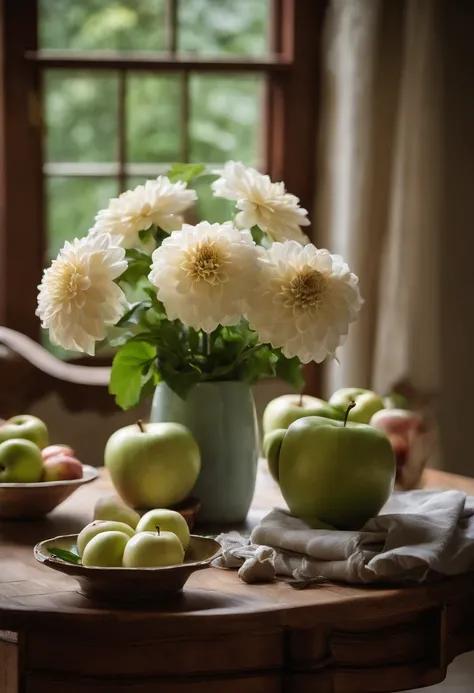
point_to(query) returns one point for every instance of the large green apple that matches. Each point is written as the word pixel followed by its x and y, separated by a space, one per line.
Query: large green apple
pixel 27 427
pixel 282 411
pixel 366 403
pixel 20 462
pixel 152 465
pixel 332 474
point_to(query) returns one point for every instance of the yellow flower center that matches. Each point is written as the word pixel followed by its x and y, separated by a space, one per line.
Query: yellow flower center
pixel 68 283
pixel 305 289
pixel 206 262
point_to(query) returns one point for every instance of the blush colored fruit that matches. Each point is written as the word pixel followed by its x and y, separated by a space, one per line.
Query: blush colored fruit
pixel 53 450
pixel 62 468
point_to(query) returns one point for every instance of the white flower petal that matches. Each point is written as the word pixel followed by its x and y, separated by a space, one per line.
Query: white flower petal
pixel 202 274
pixel 261 203
pixel 158 202
pixel 78 297
pixel 303 301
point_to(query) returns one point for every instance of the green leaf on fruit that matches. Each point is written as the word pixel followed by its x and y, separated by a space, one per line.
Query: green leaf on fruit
pixel 130 364
pixel 65 555
pixel 184 172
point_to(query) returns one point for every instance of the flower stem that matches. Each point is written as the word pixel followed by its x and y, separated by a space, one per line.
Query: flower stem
pixel 206 343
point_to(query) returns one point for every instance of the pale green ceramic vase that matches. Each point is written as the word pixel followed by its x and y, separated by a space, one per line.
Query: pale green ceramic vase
pixel 222 418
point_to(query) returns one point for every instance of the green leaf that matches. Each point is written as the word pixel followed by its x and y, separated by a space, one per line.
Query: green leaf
pixel 65 555
pixel 290 370
pixel 157 305
pixel 260 362
pixel 139 264
pixel 146 234
pixel 126 379
pixel 257 234
pixel 134 314
pixel 181 383
pixel 184 172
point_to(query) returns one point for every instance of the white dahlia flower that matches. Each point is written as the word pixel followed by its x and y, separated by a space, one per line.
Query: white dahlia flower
pixel 203 273
pixel 158 202
pixel 304 301
pixel 78 297
pixel 262 203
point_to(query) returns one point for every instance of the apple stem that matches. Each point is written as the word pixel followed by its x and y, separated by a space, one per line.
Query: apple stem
pixel 141 426
pixel 158 531
pixel 351 406
pixel 300 403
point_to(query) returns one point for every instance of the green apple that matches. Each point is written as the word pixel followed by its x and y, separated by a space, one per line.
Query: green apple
pixel 168 521
pixel 282 411
pixel 97 527
pixel 27 427
pixel 105 550
pixel 152 465
pixel 112 508
pixel 332 473
pixel 366 403
pixel 20 462
pixel 153 550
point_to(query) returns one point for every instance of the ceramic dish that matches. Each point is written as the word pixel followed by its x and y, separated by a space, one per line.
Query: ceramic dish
pixel 30 501
pixel 129 584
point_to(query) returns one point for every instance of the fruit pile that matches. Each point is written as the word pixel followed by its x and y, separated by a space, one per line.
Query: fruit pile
pixel 118 537
pixel 405 429
pixel 27 457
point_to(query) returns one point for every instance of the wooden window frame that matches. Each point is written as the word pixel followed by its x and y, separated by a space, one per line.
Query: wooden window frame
pixel 292 104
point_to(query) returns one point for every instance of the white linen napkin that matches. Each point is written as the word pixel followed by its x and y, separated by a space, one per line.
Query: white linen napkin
pixel 418 535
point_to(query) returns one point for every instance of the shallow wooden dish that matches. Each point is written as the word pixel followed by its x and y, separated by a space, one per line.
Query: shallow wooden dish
pixel 129 584
pixel 30 501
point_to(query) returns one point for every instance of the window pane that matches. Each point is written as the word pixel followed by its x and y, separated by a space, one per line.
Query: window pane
pixel 208 207
pixel 210 27
pixel 152 118
pixel 225 118
pixel 81 116
pixel 102 24
pixel 72 204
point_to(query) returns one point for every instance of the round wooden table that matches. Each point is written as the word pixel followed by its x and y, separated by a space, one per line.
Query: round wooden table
pixel 220 635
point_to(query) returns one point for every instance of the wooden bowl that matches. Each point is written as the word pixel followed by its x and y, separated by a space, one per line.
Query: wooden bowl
pixel 128 585
pixel 30 501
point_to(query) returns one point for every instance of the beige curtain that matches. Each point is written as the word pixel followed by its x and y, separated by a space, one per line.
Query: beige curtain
pixel 378 187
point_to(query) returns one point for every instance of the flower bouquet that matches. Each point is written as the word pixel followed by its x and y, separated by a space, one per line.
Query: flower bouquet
pixel 187 305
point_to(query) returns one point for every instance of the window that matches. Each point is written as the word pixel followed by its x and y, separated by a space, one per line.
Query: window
pixel 98 95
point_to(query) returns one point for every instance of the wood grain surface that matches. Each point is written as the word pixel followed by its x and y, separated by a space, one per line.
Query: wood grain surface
pixel 221 634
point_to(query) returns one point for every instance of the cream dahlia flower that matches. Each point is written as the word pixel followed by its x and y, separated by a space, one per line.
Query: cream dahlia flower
pixel 304 301
pixel 262 203
pixel 203 274
pixel 158 202
pixel 78 297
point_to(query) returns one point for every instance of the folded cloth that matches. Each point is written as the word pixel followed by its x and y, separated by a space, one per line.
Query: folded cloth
pixel 417 536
